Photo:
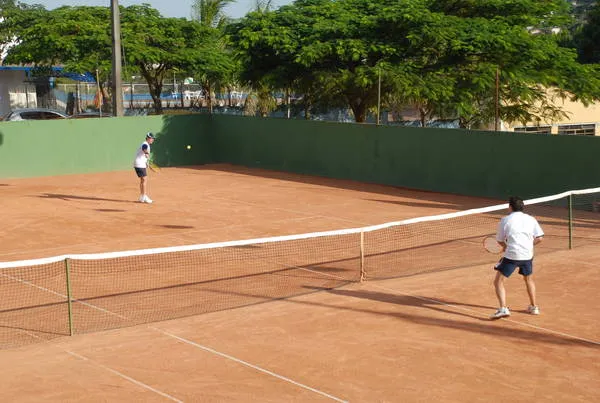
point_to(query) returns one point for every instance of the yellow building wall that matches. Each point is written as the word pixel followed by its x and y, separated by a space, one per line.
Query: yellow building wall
pixel 577 113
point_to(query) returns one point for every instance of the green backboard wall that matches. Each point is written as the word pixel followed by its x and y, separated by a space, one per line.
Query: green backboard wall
pixel 58 147
pixel 445 160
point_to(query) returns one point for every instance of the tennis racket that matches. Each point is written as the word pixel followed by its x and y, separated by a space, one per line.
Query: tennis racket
pixel 491 245
pixel 155 168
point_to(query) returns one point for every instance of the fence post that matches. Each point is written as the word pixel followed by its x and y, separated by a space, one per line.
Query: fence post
pixel 69 296
pixel 363 273
pixel 570 221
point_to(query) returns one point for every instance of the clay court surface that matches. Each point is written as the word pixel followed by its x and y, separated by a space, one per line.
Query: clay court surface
pixel 417 338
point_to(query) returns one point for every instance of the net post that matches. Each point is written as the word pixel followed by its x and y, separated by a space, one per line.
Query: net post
pixel 570 202
pixel 363 274
pixel 69 296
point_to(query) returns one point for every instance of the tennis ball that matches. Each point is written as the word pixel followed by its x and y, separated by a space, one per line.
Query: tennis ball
pixel 189 147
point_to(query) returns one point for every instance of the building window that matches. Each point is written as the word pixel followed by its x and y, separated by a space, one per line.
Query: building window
pixel 534 129
pixel 582 130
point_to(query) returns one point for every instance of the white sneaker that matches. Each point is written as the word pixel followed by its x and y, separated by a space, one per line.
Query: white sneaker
pixel 501 313
pixel 147 200
pixel 533 310
pixel 141 199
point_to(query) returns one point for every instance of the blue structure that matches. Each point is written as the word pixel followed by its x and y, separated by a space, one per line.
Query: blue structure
pixel 56 70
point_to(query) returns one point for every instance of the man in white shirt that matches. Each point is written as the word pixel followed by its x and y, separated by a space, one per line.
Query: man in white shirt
pixel 517 234
pixel 140 164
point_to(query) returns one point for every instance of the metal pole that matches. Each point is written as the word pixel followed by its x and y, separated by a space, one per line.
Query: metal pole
pixel 100 96
pixel 117 83
pixel 131 94
pixel 570 221
pixel 69 297
pixel 379 96
pixel 363 273
pixel 497 101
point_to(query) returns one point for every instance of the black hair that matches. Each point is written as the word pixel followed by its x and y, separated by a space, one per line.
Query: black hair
pixel 516 203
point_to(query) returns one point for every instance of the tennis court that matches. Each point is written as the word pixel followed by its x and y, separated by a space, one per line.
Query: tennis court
pixel 262 322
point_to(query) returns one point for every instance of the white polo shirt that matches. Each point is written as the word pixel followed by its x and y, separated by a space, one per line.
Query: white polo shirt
pixel 141 161
pixel 518 231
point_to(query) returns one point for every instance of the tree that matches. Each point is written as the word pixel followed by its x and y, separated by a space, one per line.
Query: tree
pixel 80 39
pixel 6 34
pixel 157 45
pixel 210 13
pixel 216 68
pixel 439 55
pixel 587 39
pixel 263 6
pixel 514 38
pixel 316 41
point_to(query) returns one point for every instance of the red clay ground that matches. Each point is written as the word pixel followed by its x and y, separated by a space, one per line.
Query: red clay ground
pixel 418 338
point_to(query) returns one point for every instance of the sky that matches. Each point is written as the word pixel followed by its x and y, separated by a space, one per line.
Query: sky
pixel 168 8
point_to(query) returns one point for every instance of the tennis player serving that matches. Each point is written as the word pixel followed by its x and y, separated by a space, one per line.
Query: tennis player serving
pixel 140 165
pixel 517 234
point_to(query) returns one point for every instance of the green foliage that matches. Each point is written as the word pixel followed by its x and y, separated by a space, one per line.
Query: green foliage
pixel 438 55
pixel 210 12
pixel 587 38
pixel 80 39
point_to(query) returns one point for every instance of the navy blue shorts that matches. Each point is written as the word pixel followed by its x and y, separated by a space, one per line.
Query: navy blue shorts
pixel 507 266
pixel 141 172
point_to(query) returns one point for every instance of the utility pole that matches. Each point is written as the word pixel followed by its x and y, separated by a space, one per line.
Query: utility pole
pixel 497 101
pixel 117 84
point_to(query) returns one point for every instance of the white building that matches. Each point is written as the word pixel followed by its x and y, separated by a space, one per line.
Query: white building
pixel 15 89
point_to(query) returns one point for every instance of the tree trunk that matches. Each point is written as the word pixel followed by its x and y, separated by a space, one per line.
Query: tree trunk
pixel 423 116
pixel 307 106
pixel 208 94
pixel 154 78
pixel 155 91
pixel 359 109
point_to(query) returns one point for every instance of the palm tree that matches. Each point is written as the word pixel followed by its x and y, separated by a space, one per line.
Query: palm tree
pixel 210 12
pixel 263 6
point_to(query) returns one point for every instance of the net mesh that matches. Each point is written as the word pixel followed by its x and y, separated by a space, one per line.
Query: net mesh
pixel 33 306
pixel 119 289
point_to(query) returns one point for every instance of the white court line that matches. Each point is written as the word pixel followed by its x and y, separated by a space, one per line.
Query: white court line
pixel 126 377
pixel 189 342
pixel 104 367
pixel 229 357
pixel 29 283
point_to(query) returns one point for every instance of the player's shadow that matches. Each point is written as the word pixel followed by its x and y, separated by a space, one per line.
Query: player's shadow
pixel 66 197
pixel 169 226
pixel 409 300
pixel 38 332
pixel 482 326
pixel 416 204
pixel 487 327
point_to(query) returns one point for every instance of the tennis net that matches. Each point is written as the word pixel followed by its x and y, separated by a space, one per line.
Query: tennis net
pixel 72 294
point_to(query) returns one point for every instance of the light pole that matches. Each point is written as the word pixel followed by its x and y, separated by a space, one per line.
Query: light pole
pixel 117 84
pixel 378 94
pixel 497 101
